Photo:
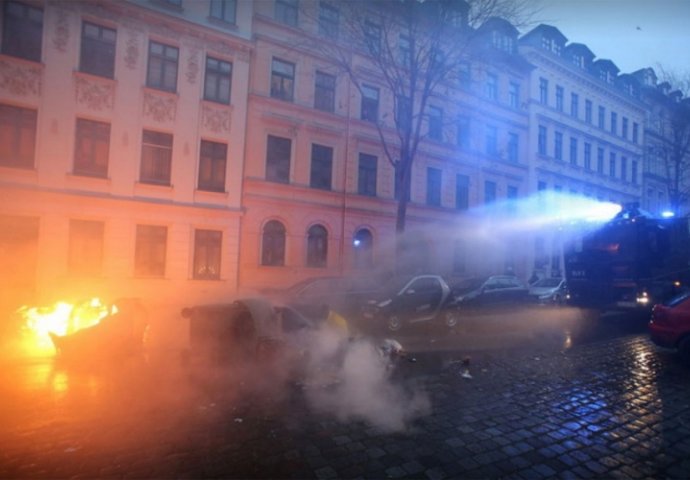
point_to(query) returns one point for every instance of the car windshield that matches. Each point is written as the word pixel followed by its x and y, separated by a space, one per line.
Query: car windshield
pixel 548 282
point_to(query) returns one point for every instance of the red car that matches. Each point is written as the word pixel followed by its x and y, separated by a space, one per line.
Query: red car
pixel 670 324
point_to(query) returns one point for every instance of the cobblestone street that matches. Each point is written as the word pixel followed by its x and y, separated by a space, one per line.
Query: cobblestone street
pixel 614 407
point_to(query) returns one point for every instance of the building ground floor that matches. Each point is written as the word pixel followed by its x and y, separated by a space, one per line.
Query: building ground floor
pixel 60 246
pixel 56 246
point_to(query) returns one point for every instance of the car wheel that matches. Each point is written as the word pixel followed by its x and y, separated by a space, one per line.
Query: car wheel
pixel 394 323
pixel 450 318
pixel 557 300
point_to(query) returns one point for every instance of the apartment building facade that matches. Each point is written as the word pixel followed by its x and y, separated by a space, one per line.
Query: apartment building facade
pixel 190 151
pixel 667 146
pixel 123 127
pixel 586 130
pixel 319 192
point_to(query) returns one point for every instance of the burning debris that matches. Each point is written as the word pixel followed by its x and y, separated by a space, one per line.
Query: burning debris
pixel 89 329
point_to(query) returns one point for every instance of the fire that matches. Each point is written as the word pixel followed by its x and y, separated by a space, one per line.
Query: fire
pixel 61 318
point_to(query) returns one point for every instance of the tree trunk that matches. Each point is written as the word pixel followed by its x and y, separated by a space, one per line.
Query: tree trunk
pixel 402 181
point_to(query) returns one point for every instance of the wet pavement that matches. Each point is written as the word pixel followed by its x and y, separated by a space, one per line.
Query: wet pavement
pixel 567 397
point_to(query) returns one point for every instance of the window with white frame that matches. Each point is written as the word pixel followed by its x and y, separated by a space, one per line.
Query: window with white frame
pixel 212 166
pixel 329 19
pixel 224 10
pixel 321 167
pixel 286 11
pixel 150 250
pixel 162 66
pixel 97 56
pixel 324 92
pixel 218 80
pixel 435 123
pixel 91 149
pixel 282 79
pixel 370 104
pixel 278 151
pixel 207 254
pixel 22 30
pixel 17 136
pixel 156 157
pixel 317 247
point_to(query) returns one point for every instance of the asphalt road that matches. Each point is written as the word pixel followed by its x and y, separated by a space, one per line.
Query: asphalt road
pixel 534 394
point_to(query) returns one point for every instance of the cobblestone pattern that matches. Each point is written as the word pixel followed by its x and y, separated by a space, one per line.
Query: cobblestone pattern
pixel 618 408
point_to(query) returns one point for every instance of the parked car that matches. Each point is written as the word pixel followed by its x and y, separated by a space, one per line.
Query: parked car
pixel 669 326
pixel 409 300
pixel 489 293
pixel 246 331
pixel 345 294
pixel 272 343
pixel 548 291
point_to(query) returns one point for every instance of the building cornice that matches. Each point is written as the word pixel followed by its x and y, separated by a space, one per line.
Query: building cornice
pixel 542 60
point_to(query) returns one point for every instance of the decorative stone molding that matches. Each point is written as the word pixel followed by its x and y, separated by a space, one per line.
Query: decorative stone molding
pixel 94 94
pixel 239 52
pixel 20 78
pixel 216 120
pixel 161 108
pixel 61 35
pixel 132 50
pixel 193 66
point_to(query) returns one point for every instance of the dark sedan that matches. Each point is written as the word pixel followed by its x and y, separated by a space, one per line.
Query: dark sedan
pixel 491 292
pixel 410 300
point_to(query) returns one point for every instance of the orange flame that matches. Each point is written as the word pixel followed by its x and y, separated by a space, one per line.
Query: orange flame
pixel 61 318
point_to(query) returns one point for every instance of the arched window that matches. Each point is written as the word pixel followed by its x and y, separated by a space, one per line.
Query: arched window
pixel 317 246
pixel 363 247
pixel 273 244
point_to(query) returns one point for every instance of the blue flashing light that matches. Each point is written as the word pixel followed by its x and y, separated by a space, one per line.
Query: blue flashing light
pixel 667 214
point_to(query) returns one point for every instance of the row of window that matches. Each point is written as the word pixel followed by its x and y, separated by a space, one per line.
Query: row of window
pixel 617 166
pixel 542 186
pixel 92 147
pixel 98 58
pixel 626 132
pixel 22 37
pixel 434 177
pixel 273 246
pixel 86 240
pixel 283 88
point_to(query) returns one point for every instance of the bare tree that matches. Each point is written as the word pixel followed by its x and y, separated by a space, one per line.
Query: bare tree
pixel 675 129
pixel 413 48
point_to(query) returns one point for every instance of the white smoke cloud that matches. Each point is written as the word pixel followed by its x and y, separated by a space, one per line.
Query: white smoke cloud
pixel 363 388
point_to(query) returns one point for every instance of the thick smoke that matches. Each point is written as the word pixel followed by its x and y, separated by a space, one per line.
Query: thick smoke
pixel 353 379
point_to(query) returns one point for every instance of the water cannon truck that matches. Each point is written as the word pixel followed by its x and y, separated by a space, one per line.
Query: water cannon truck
pixel 631 262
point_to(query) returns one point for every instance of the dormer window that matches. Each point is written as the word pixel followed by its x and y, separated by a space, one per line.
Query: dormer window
pixel 606 76
pixel 548 43
pixel 503 42
pixel 579 61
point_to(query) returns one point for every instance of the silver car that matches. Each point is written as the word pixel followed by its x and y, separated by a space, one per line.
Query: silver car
pixel 548 291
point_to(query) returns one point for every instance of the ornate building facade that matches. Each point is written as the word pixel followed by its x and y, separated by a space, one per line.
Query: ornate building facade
pixel 123 130
pixel 186 151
